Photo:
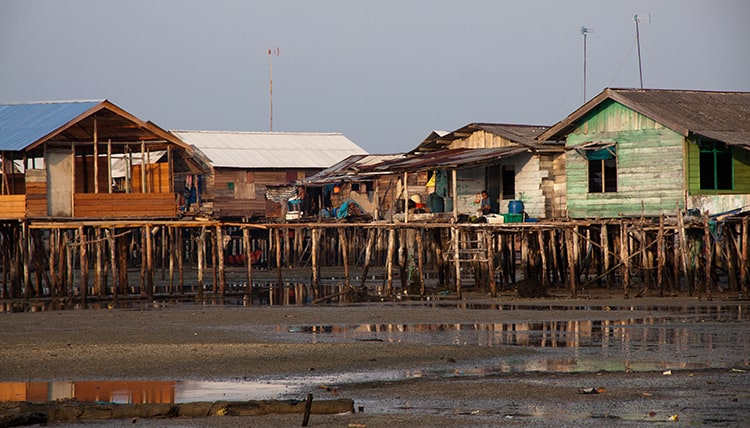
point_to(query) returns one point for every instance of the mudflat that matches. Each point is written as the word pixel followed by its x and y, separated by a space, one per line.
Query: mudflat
pixel 429 363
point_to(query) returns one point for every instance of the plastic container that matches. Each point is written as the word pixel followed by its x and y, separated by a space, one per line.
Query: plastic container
pixel 515 207
pixel 512 218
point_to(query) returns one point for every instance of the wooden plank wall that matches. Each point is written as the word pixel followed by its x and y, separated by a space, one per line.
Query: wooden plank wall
pixel 650 167
pixel 157 179
pixel 125 205
pixel 12 206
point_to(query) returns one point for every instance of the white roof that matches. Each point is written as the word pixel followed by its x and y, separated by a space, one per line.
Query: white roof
pixel 230 149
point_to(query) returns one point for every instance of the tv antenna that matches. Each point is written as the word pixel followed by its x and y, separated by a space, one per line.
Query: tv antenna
pixel 585 31
pixel 637 19
pixel 271 53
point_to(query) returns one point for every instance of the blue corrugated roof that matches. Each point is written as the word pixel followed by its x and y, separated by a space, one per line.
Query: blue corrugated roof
pixel 23 124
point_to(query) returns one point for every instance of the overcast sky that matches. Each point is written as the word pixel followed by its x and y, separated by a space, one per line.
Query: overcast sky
pixel 384 73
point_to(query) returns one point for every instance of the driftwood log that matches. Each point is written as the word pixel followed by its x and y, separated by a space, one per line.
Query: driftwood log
pixel 13 412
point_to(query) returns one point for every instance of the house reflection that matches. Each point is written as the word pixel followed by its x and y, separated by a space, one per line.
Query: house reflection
pixel 123 392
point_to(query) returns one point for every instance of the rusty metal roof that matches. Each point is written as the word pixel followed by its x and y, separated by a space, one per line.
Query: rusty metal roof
pixel 451 159
pixel 228 149
pixel 723 116
pixel 520 134
pixel 353 168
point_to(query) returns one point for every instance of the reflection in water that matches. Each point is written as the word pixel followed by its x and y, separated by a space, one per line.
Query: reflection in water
pixel 658 342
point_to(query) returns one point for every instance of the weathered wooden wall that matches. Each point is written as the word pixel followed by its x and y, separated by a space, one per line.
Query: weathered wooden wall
pixel 650 166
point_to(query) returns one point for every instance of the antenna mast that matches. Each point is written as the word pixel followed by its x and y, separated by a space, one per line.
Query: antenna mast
pixel 271 54
pixel 636 19
pixel 585 31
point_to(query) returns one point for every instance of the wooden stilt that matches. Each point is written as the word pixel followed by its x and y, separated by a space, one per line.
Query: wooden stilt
pixel 489 239
pixel 220 261
pixel 98 261
pixel 543 255
pixel 457 259
pixel 149 250
pixel 572 263
pixel 745 255
pixel 420 261
pixel 344 256
pixel 368 255
pixel 315 262
pixel 83 262
pixel 172 254
pixel 625 259
pixel 248 264
pixel 201 250
pixel 279 279
pixel 109 234
pixel 707 257
pixel 389 260
pixel 661 258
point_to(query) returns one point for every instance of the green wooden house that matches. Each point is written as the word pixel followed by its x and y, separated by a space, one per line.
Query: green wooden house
pixel 644 152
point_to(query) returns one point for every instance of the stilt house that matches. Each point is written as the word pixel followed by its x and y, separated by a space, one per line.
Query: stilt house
pixel 503 159
pixel 644 152
pixel 58 163
pixel 244 166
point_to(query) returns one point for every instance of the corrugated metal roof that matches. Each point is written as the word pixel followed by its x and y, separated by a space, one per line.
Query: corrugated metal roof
pixel 23 124
pixel 724 116
pixel 451 158
pixel 227 149
pixel 355 167
pixel 520 134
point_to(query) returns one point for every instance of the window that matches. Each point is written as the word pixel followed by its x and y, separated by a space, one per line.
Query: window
pixel 715 166
pixel 509 182
pixel 602 166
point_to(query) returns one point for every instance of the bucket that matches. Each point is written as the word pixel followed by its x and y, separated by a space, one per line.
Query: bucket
pixel 515 207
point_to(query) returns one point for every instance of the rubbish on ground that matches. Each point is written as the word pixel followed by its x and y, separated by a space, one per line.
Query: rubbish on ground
pixel 591 390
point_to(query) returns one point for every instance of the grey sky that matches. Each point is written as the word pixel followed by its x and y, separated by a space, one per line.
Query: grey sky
pixel 384 73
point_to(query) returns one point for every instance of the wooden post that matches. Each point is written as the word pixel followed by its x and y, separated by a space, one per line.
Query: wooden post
pixel 543 254
pixel 406 197
pixel 688 268
pixel 314 262
pixel 53 236
pixel 149 262
pixel 84 265
pixel 625 259
pixel 344 255
pixel 180 254
pixel 554 248
pixel 389 260
pixel 279 279
pixel 402 260
pixel 214 270
pixel 368 254
pixel 172 254
pixel 98 261
pixel 661 258
pixel 220 255
pixel 420 261
pixel 248 264
pixel 708 257
pixel 744 262
pixel 455 194
pixel 70 269
pixel 457 257
pixel 572 262
pixel 96 158
pixel 109 166
pixel 201 250
pixel 730 250
pixel 26 257
pixel 489 238
pixel 605 248
pixel 113 260
pixel 287 248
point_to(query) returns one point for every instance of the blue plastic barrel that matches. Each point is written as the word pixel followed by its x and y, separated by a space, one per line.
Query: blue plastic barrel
pixel 515 207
